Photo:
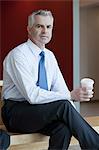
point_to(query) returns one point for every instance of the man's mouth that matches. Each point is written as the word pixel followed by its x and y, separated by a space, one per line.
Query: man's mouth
pixel 44 36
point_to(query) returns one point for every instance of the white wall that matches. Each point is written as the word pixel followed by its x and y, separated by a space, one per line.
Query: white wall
pixel 89 45
pixel 76 80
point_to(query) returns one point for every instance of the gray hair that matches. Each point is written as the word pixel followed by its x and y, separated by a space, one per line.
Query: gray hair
pixel 38 12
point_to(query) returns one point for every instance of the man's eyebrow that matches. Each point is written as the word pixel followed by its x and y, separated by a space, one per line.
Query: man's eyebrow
pixel 39 24
pixel 42 24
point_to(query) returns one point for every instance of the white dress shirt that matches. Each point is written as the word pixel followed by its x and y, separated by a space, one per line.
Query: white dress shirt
pixel 20 75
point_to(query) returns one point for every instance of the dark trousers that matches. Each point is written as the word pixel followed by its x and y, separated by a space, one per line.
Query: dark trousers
pixel 57 119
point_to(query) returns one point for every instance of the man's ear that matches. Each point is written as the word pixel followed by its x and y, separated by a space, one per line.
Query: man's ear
pixel 28 29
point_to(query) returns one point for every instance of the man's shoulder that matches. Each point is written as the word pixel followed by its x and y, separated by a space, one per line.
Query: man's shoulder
pixel 50 55
pixel 17 51
pixel 21 46
pixel 49 52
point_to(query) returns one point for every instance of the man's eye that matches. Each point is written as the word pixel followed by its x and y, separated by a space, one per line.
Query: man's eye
pixel 48 27
pixel 38 26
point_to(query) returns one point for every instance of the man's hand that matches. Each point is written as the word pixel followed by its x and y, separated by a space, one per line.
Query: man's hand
pixel 81 94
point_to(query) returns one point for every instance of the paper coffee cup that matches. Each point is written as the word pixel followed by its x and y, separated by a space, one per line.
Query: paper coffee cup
pixel 87 83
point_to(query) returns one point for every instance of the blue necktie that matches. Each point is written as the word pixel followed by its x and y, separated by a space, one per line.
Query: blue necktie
pixel 42 77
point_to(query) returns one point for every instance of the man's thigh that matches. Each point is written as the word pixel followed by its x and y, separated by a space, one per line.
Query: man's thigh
pixel 25 117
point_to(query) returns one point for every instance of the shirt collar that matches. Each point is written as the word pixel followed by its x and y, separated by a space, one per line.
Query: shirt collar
pixel 35 49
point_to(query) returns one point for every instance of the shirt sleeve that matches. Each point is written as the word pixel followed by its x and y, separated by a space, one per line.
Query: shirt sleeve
pixel 22 78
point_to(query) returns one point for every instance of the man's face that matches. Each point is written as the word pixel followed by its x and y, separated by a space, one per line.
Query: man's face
pixel 41 31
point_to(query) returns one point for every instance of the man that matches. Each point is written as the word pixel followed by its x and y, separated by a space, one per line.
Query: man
pixel 38 100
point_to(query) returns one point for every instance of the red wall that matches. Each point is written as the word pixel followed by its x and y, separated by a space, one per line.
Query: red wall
pixel 13 30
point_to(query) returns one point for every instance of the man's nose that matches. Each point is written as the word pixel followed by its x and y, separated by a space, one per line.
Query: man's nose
pixel 44 30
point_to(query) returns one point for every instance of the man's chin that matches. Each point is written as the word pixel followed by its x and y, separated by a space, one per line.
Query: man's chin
pixel 45 42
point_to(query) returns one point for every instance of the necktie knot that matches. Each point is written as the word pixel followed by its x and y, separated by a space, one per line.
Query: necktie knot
pixel 42 54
